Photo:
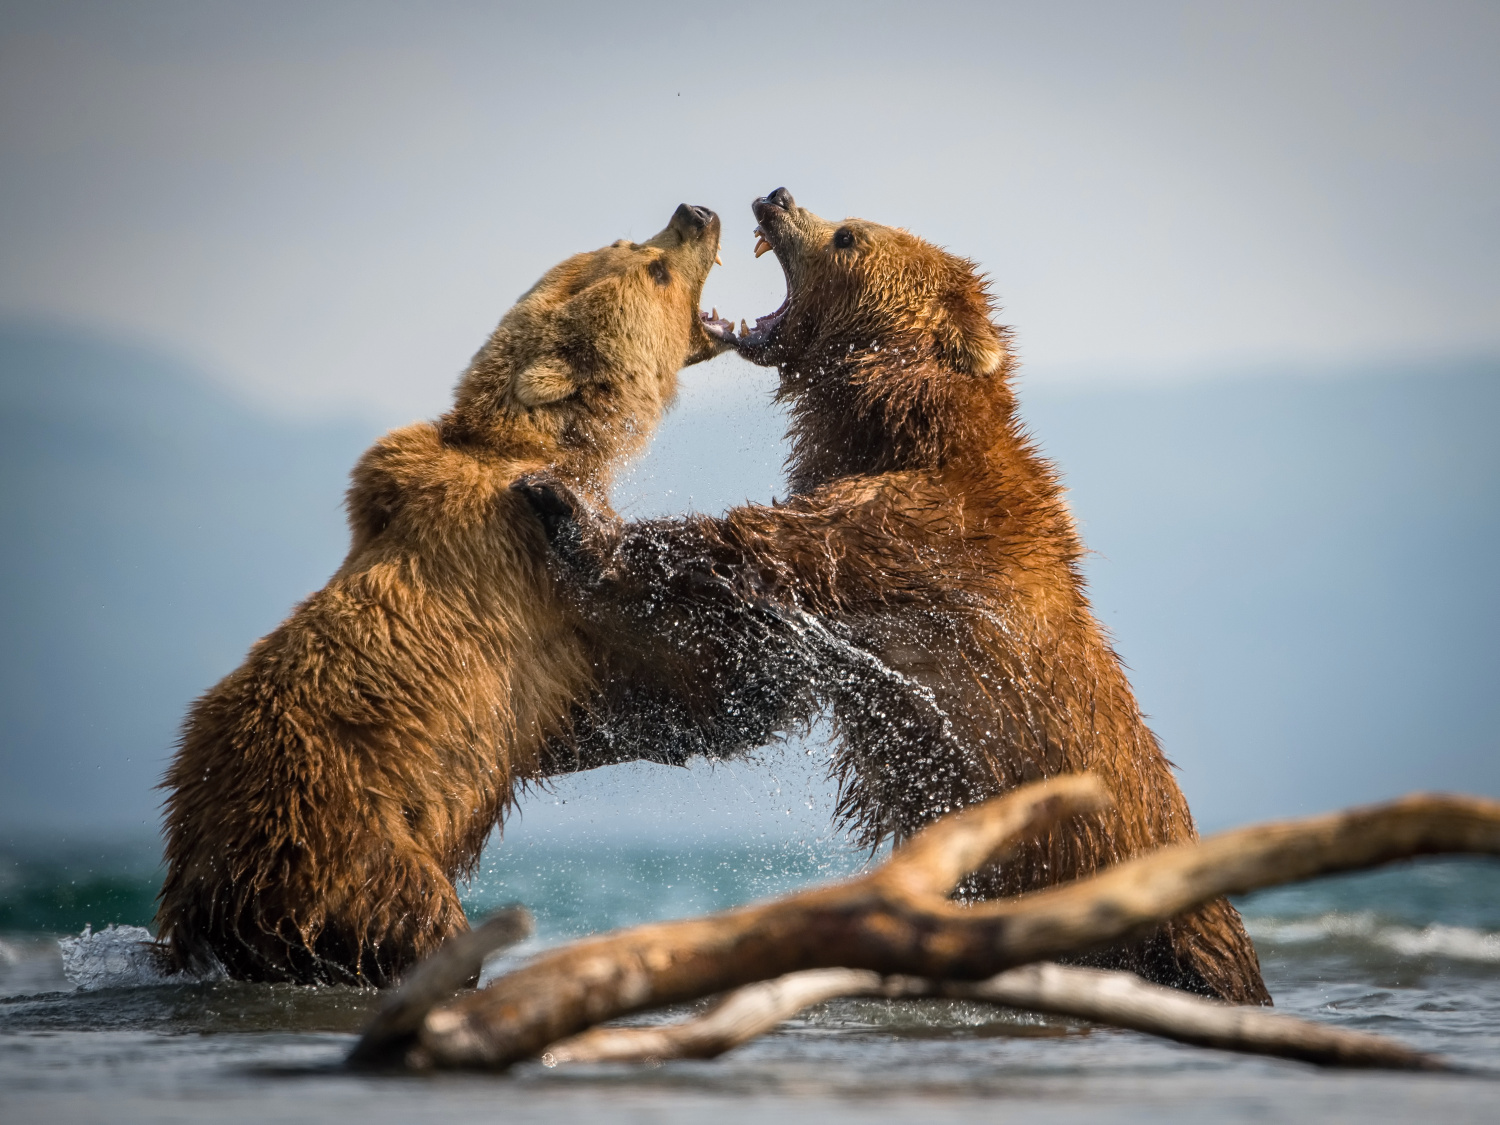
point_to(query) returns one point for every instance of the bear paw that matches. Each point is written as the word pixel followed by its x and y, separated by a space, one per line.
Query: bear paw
pixel 565 519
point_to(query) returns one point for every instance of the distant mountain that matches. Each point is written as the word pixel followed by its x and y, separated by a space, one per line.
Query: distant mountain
pixel 1300 570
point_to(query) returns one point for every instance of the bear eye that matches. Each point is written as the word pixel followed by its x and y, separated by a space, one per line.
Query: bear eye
pixel 658 271
pixel 843 238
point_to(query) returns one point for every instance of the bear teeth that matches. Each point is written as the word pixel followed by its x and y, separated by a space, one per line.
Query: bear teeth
pixel 761 246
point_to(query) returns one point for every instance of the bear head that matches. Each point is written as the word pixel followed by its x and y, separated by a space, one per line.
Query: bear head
pixel 888 355
pixel 855 287
pixel 580 370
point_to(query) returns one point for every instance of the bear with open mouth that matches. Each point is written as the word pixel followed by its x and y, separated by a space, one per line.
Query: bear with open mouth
pixel 326 794
pixel 924 531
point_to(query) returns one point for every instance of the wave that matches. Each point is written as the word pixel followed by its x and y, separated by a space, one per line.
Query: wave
pixel 1458 943
pixel 119 957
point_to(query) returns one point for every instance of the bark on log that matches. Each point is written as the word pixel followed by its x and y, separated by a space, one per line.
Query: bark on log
pixel 454 966
pixel 598 979
pixel 1124 1000
pixel 740 1017
pixel 1111 998
pixel 895 920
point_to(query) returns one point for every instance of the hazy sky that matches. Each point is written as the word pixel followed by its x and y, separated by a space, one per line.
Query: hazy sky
pixel 328 205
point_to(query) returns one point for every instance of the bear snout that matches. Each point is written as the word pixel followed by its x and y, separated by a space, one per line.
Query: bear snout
pixel 691 219
pixel 781 199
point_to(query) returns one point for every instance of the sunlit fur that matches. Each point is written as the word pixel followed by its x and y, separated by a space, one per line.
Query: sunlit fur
pixel 924 528
pixel 326 794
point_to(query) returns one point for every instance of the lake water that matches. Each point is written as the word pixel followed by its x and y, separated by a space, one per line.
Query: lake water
pixel 1411 951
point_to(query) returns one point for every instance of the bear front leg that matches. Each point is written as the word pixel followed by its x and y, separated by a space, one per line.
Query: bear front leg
pixel 619 562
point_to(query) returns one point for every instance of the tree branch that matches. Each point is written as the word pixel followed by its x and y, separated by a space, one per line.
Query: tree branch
pixel 1124 1000
pixel 1111 998
pixel 454 966
pixel 741 1016
pixel 597 979
pixel 896 920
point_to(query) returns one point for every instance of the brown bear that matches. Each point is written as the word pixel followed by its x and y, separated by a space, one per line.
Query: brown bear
pixel 926 532
pixel 326 794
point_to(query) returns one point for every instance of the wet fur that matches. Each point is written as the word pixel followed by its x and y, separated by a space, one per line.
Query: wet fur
pixel 924 529
pixel 327 793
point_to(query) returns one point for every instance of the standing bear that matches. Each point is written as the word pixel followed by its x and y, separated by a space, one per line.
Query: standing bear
pixel 326 794
pixel 924 531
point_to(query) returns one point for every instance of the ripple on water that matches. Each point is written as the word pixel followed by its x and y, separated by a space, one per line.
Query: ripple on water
pixel 1407 952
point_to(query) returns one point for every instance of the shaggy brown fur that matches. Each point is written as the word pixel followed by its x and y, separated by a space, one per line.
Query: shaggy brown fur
pixel 923 529
pixel 326 794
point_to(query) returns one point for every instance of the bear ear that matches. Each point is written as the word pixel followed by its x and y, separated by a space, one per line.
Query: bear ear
pixel 966 338
pixel 579 333
pixel 546 380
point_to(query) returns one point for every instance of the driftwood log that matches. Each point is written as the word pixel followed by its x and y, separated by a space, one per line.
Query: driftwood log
pixel 1111 998
pixel 897 920
pixel 456 965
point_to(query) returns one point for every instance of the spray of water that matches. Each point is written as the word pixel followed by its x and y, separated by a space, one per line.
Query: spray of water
pixel 120 957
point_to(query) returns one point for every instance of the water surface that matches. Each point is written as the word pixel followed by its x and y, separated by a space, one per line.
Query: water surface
pixel 1412 951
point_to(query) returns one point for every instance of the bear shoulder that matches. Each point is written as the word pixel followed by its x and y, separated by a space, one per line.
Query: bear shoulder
pixel 411 472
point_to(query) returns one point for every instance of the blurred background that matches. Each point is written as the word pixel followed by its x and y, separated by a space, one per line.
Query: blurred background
pixel 1251 253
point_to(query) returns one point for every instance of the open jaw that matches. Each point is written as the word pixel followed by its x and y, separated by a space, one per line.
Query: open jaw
pixel 751 338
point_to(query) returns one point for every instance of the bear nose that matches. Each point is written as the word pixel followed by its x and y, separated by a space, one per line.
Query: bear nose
pixel 692 218
pixel 781 198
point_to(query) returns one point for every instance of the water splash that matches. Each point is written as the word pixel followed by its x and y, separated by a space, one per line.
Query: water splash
pixel 119 957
